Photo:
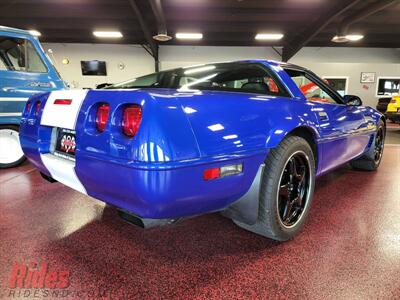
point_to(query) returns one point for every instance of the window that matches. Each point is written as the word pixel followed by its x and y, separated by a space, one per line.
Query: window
pixel 20 55
pixel 338 84
pixel 235 77
pixel 388 86
pixel 310 87
pixel 3 66
pixel 144 81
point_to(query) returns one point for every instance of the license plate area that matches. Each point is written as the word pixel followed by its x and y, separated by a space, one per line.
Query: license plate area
pixel 65 143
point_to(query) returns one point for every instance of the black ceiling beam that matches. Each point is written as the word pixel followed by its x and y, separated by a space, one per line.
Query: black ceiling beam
pixel 294 46
pixel 160 17
pixel 146 31
pixel 359 15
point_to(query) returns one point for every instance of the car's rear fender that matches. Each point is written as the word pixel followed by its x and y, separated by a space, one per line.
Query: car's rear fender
pixel 35 139
pixel 238 122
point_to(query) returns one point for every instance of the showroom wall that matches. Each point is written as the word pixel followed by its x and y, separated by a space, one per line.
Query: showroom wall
pixel 339 62
pixel 135 59
pixel 350 62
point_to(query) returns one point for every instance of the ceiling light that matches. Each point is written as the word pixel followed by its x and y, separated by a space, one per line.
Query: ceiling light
pixel 162 37
pixel 347 38
pixel 354 37
pixel 34 32
pixel 269 36
pixel 108 34
pixel 189 36
pixel 339 39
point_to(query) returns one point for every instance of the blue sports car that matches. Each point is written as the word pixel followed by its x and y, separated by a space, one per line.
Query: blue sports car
pixel 245 138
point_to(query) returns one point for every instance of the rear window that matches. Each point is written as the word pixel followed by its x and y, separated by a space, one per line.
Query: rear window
pixel 231 77
pixel 19 55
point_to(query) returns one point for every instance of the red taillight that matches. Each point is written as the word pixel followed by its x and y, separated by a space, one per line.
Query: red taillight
pixel 132 116
pixel 102 116
pixel 63 101
pixel 37 107
pixel 28 107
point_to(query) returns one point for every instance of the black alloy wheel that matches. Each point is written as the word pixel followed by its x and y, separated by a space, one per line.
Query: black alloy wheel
pixel 293 190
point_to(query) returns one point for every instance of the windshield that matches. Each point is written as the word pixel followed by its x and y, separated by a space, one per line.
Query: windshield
pixel 238 77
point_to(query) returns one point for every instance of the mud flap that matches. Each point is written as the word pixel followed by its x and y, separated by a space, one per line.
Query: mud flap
pixel 245 209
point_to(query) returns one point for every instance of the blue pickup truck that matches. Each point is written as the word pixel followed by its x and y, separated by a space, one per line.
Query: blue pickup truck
pixel 25 69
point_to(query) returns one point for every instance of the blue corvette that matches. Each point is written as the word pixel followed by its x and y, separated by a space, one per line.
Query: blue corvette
pixel 245 138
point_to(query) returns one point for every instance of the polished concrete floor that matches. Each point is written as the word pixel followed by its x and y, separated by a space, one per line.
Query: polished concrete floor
pixel 348 249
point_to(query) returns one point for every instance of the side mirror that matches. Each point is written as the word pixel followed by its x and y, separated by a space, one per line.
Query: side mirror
pixel 351 100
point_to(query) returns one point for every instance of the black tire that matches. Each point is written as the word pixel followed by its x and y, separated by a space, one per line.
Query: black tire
pixel 18 161
pixel 372 159
pixel 270 221
pixel 48 178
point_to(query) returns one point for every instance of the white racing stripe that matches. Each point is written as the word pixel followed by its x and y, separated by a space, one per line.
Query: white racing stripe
pixel 63 116
pixel 63 171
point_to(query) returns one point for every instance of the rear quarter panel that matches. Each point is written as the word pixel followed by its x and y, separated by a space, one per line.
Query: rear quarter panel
pixel 239 122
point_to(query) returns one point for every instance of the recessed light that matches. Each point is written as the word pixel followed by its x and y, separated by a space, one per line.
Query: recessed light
pixel 354 37
pixel 189 36
pixel 108 34
pixel 162 37
pixel 269 36
pixel 34 32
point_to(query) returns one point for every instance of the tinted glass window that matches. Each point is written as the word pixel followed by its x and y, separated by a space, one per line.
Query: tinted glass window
pixel 311 89
pixel 20 55
pixel 236 77
pixel 338 84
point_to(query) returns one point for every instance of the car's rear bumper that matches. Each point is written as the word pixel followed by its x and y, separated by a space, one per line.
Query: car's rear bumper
pixel 150 190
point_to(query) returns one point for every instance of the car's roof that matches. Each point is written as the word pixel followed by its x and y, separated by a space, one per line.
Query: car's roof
pixel 277 63
pixel 14 30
